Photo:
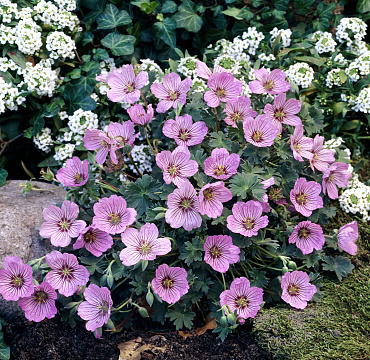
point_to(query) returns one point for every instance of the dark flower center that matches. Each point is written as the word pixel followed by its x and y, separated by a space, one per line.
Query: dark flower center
pixel 302 199
pixel 269 85
pixel 78 178
pixel 215 252
pixel 279 115
pixel 145 248
pixel 220 170
pixel 172 170
pixel 64 225
pixel 40 297
pixel 113 218
pixel 66 273
pixel 293 289
pixel 103 306
pixel 173 95
pixel 184 134
pixel 208 194
pixel 304 233
pixel 17 281
pixel 220 93
pixel 237 116
pixel 241 302
pixel 168 283
pixel 248 223
pixel 186 203
pixel 90 237
pixel 130 87
pixel 257 136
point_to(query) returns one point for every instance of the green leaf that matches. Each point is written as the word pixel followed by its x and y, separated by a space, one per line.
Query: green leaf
pixel 310 59
pixel 220 140
pixel 78 98
pixel 165 30
pixel 169 7
pixel 351 125
pixel 3 176
pixel 340 265
pixel 192 251
pixel 88 38
pixel 148 7
pixel 258 278
pixel 4 349
pixel 242 184
pixel 363 6
pixel 322 215
pixel 187 18
pixel 321 24
pixel 326 10
pixel 139 194
pixel 181 317
pixel 38 123
pixel 50 161
pixel 119 44
pixel 112 17
pixel 18 57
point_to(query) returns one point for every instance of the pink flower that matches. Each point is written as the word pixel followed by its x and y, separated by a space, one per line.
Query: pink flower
pixel 243 298
pixel 321 157
pixel 97 140
pixel 211 197
pixel 94 240
pixel 269 182
pixel 347 235
pixel 221 165
pixel 336 175
pixel 40 304
pixel 305 196
pixel 297 289
pixel 171 92
pixel 15 279
pixel 238 110
pixel 224 87
pixel 183 208
pixel 66 274
pixel 124 86
pixel 170 283
pixel 260 131
pixel 283 112
pixel 139 116
pixel 246 218
pixel 220 252
pixel 271 83
pixel 184 132
pixel 61 224
pixel 143 245
pixel 176 166
pixel 112 214
pixel 75 173
pixel 301 145
pixel 205 72
pixel 307 236
pixel 96 308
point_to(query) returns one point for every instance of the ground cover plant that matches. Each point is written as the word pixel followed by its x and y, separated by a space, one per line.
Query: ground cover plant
pixel 230 218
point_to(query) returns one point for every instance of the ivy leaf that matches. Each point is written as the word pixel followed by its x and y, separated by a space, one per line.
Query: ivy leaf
pixel 243 183
pixel 78 98
pixel 192 251
pixel 363 6
pixel 87 83
pixel 119 44
pixel 186 17
pixel 88 37
pixel 327 10
pixel 38 123
pixel 169 7
pixel 220 141
pixel 165 30
pixel 139 194
pixel 181 317
pixel 202 283
pixel 112 17
pixel 3 176
pixel 340 265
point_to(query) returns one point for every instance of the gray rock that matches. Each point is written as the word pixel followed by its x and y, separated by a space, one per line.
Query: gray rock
pixel 19 218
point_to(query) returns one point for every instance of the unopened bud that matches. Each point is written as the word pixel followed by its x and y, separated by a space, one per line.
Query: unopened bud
pixel 292 265
pixel 284 269
pixel 149 298
pixel 48 175
pixel 143 312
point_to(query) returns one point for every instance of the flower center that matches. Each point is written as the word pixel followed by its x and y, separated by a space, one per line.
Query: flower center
pixel 168 283
pixel 279 115
pixel 64 225
pixel 248 223
pixel 220 170
pixel 173 95
pixel 304 233
pixel 78 178
pixel 184 134
pixel 296 147
pixel 215 252
pixel 208 194
pixel 257 136
pixel 114 218
pixel 172 170
pixel 90 237
pixel 17 281
pixel 145 248
pixel 293 289
pixel 186 204
pixel 237 116
pixel 40 297
pixel 103 306
pixel 302 199
pixel 241 302
pixel 220 93
pixel 66 273
pixel 130 88
pixel 269 85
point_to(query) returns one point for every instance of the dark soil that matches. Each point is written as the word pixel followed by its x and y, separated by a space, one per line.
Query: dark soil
pixel 56 340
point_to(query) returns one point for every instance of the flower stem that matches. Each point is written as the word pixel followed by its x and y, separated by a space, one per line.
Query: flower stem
pixel 133 163
pixel 146 104
pixel 217 124
pixel 147 139
pixel 223 280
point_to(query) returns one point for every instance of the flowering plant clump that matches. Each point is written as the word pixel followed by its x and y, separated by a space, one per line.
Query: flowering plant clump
pixel 228 218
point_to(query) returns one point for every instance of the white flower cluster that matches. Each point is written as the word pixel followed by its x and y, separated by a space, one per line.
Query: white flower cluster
pixel 340 59
pixel 28 36
pixel 60 45
pixel 251 40
pixel 150 65
pixel 198 85
pixel 40 78
pixel 356 198
pixel 10 97
pixel 359 67
pixel 285 36
pixel 228 62
pixel 142 158
pixel 43 140
pixel 362 101
pixel 301 74
pixel 63 152
pixel 266 58
pixel 82 120
pixel 69 5
pixel 333 78
pixel 352 31
pixel 324 42
pixel 333 144
pixel 187 66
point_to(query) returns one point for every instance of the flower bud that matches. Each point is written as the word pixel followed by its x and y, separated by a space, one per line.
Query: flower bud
pixel 284 269
pixel 143 312
pixel 48 175
pixel 292 265
pixel 149 298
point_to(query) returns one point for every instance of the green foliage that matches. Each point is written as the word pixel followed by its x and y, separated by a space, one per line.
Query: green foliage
pixel 242 184
pixel 4 349
pixel 181 317
pixel 119 44
pixel 112 17
pixel 3 176
pixel 192 251
pixel 340 265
